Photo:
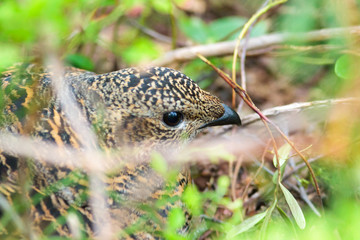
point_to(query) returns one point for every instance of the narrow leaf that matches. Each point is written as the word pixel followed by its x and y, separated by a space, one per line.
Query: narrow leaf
pixel 265 224
pixel 294 207
pixel 246 225
pixel 284 152
pixel 284 216
pixel 195 29
pixel 220 28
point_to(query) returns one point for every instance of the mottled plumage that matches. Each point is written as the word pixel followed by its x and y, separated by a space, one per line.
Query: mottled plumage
pixel 154 108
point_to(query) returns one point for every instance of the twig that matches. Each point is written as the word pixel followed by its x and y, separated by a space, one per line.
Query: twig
pixel 227 47
pixel 296 107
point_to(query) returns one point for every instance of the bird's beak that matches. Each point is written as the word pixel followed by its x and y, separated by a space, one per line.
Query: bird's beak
pixel 229 117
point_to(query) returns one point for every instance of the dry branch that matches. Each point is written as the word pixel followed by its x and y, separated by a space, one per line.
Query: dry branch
pixel 227 48
pixel 297 107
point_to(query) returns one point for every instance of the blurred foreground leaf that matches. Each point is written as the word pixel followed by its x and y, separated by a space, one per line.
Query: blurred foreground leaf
pixel 346 67
pixel 245 225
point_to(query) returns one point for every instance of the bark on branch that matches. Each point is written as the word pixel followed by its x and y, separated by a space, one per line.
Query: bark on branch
pixel 226 48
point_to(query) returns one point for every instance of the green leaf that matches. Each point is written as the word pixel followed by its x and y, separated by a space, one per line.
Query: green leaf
pixel 223 185
pixel 265 224
pixel 80 61
pixel 284 216
pixel 227 28
pixel 162 6
pixel 245 225
pixel 105 3
pixel 141 49
pixel 193 200
pixel 9 55
pixel 346 66
pixel 259 29
pixel 283 152
pixel 294 207
pixel 233 205
pixel 220 28
pixel 176 218
pixel 194 28
pixel 314 60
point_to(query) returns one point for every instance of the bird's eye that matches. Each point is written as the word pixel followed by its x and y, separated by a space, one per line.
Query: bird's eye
pixel 173 119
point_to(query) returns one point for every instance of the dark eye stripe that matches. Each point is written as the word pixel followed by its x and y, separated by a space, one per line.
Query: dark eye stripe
pixel 173 119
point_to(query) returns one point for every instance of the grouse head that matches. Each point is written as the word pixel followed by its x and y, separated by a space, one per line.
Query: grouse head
pixel 158 105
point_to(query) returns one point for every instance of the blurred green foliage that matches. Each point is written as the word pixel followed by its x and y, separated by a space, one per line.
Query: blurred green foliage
pixel 79 61
pixel 302 16
pixel 31 30
pixel 226 28
pixel 77 31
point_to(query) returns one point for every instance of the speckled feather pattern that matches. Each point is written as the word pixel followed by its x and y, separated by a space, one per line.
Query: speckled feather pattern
pixel 126 108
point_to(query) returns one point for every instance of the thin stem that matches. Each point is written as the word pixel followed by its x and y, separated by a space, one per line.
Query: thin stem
pixel 245 29
pixel 243 57
pixel 89 142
